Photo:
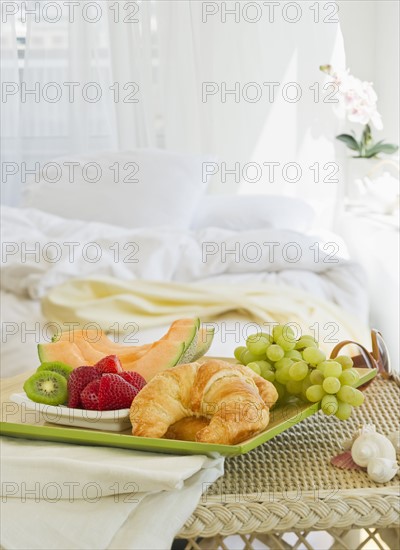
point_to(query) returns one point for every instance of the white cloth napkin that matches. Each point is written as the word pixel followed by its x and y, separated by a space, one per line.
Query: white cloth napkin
pixel 69 496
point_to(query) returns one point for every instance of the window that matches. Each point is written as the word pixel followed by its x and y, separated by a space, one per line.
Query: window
pixel 20 31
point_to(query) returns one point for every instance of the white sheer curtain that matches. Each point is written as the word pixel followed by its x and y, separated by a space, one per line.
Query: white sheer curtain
pixel 9 123
pixel 106 58
pixel 173 50
pixel 82 87
pixel 66 115
pixel 232 52
pixel 133 63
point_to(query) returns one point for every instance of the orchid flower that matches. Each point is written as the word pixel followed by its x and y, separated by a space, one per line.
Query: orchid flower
pixel 357 101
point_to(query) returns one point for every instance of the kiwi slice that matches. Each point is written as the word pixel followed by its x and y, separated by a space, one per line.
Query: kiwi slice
pixel 47 387
pixel 56 366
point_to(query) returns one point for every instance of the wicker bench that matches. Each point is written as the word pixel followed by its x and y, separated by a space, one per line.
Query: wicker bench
pixel 288 486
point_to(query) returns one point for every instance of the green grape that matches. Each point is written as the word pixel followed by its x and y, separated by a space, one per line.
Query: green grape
pixel 282 375
pixel 284 333
pixel 280 388
pixel 310 337
pixel 306 383
pixel 349 377
pixel 267 336
pixel 346 394
pixel 305 342
pixel 285 344
pixel 247 357
pixel 294 387
pixel 257 345
pixel 254 367
pixel 316 377
pixel 266 370
pixel 344 410
pixel 283 363
pixel 345 361
pixel 331 385
pixel 315 393
pixel 333 369
pixel 298 371
pixel 274 353
pixel 263 364
pixel 293 354
pixel 268 375
pixel 329 404
pixel 277 332
pixel 313 356
pixel 357 399
pixel 239 351
pixel 322 366
pixel 288 333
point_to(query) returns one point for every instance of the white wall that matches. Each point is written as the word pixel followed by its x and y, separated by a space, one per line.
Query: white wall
pixel 371 38
pixel 387 65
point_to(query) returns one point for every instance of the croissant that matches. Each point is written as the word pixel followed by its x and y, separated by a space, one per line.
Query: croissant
pixel 233 397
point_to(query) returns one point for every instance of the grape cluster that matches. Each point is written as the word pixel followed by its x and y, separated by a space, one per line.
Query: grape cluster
pixel 298 368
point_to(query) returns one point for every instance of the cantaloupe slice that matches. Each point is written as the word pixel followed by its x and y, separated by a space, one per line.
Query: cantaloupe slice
pixel 86 339
pixel 181 331
pixel 66 352
pixel 94 337
pixel 92 345
pixel 98 340
pixel 128 358
pixel 162 356
pixel 89 353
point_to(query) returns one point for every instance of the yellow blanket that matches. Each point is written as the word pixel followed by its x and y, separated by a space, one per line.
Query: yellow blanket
pixel 106 300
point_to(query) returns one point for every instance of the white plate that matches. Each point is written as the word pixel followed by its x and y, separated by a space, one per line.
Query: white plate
pixel 111 421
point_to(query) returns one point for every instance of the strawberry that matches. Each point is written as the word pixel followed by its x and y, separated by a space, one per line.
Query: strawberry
pixel 115 393
pixel 111 363
pixel 90 395
pixel 77 381
pixel 134 378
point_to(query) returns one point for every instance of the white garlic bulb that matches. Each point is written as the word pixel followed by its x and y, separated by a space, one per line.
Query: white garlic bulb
pixel 382 470
pixel 366 428
pixel 372 445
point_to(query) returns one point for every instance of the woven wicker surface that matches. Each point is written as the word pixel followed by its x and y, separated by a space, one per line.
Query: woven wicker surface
pixel 299 458
pixel 289 484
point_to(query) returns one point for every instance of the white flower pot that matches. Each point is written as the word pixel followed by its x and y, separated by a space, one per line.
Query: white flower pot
pixel 373 181
pixel 357 170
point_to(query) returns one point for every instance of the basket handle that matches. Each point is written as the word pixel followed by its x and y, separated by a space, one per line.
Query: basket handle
pixel 358 359
pixel 378 365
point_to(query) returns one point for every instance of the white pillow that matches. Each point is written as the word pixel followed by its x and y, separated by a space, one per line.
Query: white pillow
pixel 141 188
pixel 248 212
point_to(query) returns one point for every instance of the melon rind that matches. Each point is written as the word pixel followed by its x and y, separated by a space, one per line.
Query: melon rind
pixel 190 342
pixel 190 350
pixel 205 337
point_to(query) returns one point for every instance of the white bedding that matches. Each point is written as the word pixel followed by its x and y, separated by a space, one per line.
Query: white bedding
pixel 163 254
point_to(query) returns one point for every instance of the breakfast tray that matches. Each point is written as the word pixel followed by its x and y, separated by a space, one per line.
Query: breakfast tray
pixel 17 422
pixel 284 493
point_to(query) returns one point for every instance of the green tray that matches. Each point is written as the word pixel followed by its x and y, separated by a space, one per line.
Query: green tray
pixel 282 418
